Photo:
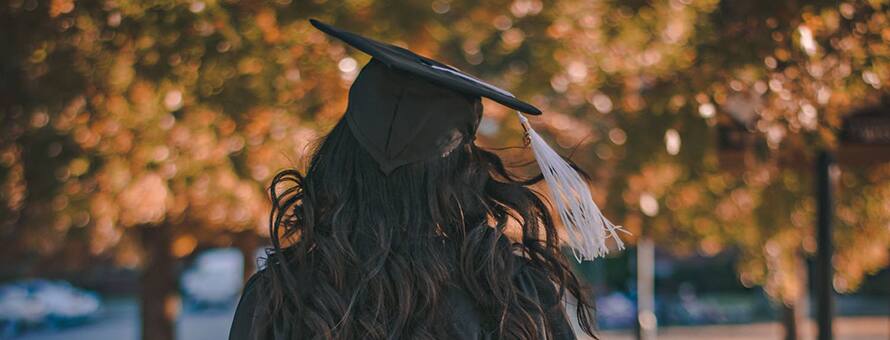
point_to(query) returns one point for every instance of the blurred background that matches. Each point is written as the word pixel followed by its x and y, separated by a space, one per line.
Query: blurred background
pixel 745 144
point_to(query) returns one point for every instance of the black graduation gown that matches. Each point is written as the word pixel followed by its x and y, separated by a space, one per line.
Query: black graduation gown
pixel 464 315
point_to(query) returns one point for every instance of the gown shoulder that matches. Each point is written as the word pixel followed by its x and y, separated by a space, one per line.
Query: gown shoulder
pixel 245 313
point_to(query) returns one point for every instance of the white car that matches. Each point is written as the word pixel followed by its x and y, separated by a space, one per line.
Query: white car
pixel 32 303
pixel 215 278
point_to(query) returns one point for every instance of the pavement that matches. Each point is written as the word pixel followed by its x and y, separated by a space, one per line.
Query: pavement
pixel 846 328
pixel 119 321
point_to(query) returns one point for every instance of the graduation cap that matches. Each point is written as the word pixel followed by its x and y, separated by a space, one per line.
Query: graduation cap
pixel 404 108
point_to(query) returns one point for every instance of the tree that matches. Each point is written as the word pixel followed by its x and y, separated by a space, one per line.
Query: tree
pixel 141 130
pixel 786 73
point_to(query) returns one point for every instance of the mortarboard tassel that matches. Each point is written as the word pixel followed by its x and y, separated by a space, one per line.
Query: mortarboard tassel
pixel 585 225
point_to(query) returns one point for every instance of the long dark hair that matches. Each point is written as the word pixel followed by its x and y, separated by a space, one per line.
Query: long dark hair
pixel 357 254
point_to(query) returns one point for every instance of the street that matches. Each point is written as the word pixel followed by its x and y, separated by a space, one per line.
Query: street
pixel 119 322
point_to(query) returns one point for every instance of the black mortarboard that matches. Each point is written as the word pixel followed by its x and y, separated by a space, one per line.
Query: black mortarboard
pixel 426 68
pixel 404 108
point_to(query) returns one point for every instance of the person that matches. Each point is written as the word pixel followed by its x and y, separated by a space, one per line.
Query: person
pixel 398 229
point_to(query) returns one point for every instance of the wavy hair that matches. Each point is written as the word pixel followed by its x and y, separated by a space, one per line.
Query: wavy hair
pixel 356 254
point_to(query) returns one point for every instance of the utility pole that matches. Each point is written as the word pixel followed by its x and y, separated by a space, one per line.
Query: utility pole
pixel 647 323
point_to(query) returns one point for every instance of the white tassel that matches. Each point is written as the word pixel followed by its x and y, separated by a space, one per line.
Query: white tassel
pixel 585 225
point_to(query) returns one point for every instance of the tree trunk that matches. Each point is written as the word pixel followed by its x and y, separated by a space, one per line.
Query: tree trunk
pixel 794 314
pixel 789 322
pixel 159 296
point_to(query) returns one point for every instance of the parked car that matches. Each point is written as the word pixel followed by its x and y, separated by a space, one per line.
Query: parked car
pixel 43 303
pixel 214 279
pixel 616 311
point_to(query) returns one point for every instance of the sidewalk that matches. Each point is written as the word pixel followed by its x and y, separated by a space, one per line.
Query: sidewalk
pixel 120 323
pixel 846 328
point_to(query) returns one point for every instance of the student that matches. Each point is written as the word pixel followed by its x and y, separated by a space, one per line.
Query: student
pixel 396 231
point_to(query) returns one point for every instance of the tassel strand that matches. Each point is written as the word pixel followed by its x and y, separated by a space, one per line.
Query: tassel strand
pixel 586 227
